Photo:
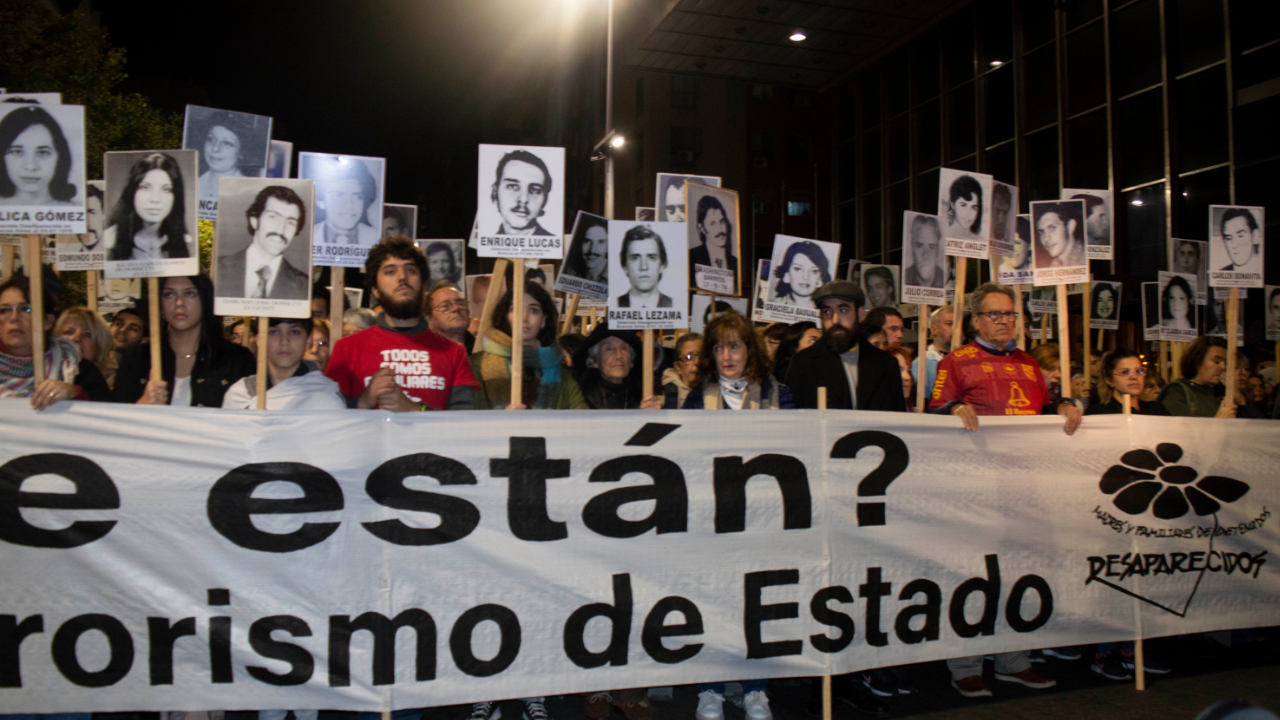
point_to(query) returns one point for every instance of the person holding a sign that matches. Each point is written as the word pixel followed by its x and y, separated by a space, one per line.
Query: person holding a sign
pixel 400 364
pixel 37 159
pixel 197 363
pixel 1123 374
pixel 92 337
pixel 682 376
pixel 17 346
pixel 547 383
pixel 733 371
pixel 149 221
pixel 1200 391
pixel 857 375
pixel 608 368
pixel 292 383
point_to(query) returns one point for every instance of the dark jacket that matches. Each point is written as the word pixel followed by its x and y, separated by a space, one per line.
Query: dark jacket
pixel 770 395
pixel 599 393
pixel 879 379
pixel 90 385
pixel 212 374
pixel 1112 407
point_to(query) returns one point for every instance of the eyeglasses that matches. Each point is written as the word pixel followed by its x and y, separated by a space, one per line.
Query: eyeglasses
pixel 1140 372
pixel 689 357
pixel 21 309
pixel 321 343
pixel 996 316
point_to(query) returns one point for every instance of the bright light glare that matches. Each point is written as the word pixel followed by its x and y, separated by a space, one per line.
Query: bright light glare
pixel 1139 203
pixel 617 141
pixel 797 36
pixel 997 63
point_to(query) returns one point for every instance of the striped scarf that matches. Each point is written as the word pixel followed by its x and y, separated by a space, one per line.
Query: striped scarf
pixel 17 372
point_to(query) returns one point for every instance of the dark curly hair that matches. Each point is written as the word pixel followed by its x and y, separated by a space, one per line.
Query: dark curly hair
pixel 16 123
pixel 547 335
pixel 400 248
pixel 124 217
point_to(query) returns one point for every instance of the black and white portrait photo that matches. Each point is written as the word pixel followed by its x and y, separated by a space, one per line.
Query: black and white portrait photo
pixel 445 261
pixel 1104 304
pixel 761 291
pixel 1191 257
pixel 42 179
pixel 1004 209
pixel 700 310
pixel 585 271
pixel 1272 295
pixel 231 144
pixel 880 284
pixel 714 239
pixel 118 293
pixel 1235 246
pixel 263 266
pixel 798 267
pixel 151 213
pixel 520 197
pixel 348 206
pixel 646 214
pixel 1058 247
pixel 1177 306
pixel 649 287
pixel 399 220
pixel 1150 311
pixel 964 207
pixel 670 195
pixel 924 277
pixel 86 251
pixel 1016 269
pixel 280 159
pixel 1098 236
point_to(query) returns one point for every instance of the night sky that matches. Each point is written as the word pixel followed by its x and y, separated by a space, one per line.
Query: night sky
pixel 400 79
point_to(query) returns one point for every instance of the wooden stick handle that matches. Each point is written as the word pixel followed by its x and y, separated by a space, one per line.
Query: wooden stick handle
pixel 1087 347
pixel 1020 325
pixel 491 301
pixel 822 398
pixel 570 311
pixel 826 697
pixel 1064 343
pixel 35 277
pixel 957 328
pixel 922 364
pixel 517 328
pixel 91 289
pixel 647 354
pixel 1233 318
pixel 1124 403
pixel 263 332
pixel 153 306
pixel 7 254
pixel 337 298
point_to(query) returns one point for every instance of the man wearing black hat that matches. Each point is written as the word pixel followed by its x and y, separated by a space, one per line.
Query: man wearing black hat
pixel 857 375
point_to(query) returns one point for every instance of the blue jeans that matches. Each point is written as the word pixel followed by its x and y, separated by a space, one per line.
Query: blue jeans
pixel 748 686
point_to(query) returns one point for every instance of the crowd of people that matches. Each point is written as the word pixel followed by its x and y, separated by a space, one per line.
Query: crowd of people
pixel 416 352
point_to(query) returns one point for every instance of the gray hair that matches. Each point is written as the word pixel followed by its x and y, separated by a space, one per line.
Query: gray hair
pixel 985 289
pixel 593 352
pixel 363 318
pixel 687 337
pixel 935 317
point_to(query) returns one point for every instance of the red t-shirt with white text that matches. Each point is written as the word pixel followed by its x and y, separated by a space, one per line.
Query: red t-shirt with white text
pixel 991 384
pixel 427 365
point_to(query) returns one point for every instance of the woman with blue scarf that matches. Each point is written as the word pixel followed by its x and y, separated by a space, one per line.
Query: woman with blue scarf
pixel 548 385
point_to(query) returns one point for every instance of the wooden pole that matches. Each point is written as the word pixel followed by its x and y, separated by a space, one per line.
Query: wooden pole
pixel 247 333
pixel 1064 343
pixel 826 679
pixel 922 365
pixel 647 354
pixel 1124 403
pixel 35 277
pixel 491 301
pixel 1101 333
pixel 153 305
pixel 91 289
pixel 263 331
pixel 1175 359
pixel 337 296
pixel 593 318
pixel 1044 328
pixel 517 328
pixel 6 262
pixel 1020 327
pixel 570 311
pixel 1164 361
pixel 1087 347
pixel 1233 317
pixel 957 327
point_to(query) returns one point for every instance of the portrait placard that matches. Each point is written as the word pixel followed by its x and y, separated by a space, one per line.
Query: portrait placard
pixel 42 182
pixel 1104 304
pixel 1058 247
pixel 1098 233
pixel 446 260
pixel 1150 311
pixel 86 252
pixel 520 202
pixel 540 274
pixel 52 98
pixel 798 267
pixel 119 293
pixel 1004 209
pixel 1177 306
pixel 263 247
pixel 1017 269
pixel 700 309
pixel 646 214
pixel 762 291
pixel 1031 317
pixel 151 214
pixel 1272 294
pixel 49 249
pixel 349 192
pixel 880 284
pixel 652 289
pixel 355 296
pixel 280 159
pixel 924 280
pixel 231 144
pixel 714 239
pixel 585 271
pixel 1213 319
pixel 1236 245
pixel 964 207
pixel 1191 257
pixel 1043 300
pixel 670 195
pixel 401 220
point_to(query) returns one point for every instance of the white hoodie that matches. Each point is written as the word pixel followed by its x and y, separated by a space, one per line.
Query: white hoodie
pixel 312 391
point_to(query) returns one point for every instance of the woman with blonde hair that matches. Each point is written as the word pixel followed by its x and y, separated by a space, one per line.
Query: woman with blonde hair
pixel 92 337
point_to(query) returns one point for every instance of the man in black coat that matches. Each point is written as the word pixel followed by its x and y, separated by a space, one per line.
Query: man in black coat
pixel 848 367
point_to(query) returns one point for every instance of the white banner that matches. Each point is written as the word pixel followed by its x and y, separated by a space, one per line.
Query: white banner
pixel 186 559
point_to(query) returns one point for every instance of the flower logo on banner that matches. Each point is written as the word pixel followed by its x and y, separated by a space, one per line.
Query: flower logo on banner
pixel 1154 480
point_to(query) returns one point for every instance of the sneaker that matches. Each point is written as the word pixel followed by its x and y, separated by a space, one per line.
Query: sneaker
pixel 971 687
pixel 598 706
pixel 1036 656
pixel 1063 653
pixel 634 710
pixel 535 710
pixel 1150 665
pixel 1109 666
pixel 756 705
pixel 885 683
pixel 485 711
pixel 1028 677
pixel 710 705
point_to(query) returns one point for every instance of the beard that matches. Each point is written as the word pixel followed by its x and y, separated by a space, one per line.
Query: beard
pixel 839 339
pixel 406 309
